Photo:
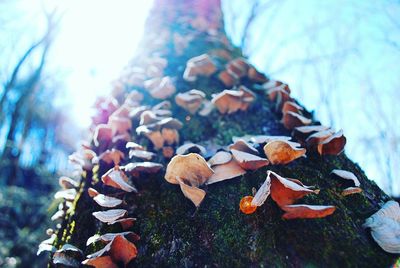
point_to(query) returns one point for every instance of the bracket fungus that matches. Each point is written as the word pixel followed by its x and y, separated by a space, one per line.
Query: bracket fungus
pixel 191 100
pixel 107 201
pixel 67 194
pixel 191 148
pixel 119 125
pixel 200 65
pixel 141 154
pixel 109 215
pixel 292 107
pixel 191 168
pixel 108 237
pixel 124 223
pixel 161 88
pixel 263 139
pixel 385 227
pixel 241 145
pixel 237 68
pixel 286 192
pixel 226 171
pixel 254 75
pixel 230 101
pixel 291 120
pixel 113 156
pixel 307 211
pixel 189 171
pixel 134 146
pixel 99 262
pixel 170 135
pixel 248 97
pixel 135 169
pixel 334 145
pixel 67 183
pixel 196 195
pixel 279 95
pixel 159 130
pixel 228 78
pixel 248 161
pixel 246 155
pixel 67 256
pixel 83 159
pixel 47 245
pixel 92 192
pixel 316 138
pixel 303 132
pixel 351 190
pixel 102 134
pixel 346 176
pixel 282 152
pixel 119 250
pixel 116 178
pixel 220 158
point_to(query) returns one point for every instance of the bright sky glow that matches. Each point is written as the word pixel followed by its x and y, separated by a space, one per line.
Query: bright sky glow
pixel 95 41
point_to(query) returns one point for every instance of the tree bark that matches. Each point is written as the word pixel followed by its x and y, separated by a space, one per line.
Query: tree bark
pixel 174 234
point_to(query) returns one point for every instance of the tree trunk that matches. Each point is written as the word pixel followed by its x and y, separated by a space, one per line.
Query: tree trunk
pixel 173 233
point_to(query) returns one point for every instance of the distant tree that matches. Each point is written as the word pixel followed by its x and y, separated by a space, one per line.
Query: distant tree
pixel 32 150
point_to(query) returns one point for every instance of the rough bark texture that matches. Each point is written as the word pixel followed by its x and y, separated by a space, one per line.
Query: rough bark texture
pixel 175 234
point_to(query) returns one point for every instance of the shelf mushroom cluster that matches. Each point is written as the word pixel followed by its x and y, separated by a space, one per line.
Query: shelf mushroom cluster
pixel 317 138
pixel 285 192
pixel 121 121
pixel 191 170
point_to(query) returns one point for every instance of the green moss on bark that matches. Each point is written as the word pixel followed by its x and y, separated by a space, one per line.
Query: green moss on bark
pixel 173 233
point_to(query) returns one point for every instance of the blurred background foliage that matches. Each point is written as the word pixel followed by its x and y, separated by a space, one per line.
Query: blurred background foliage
pixel 33 145
pixel 339 57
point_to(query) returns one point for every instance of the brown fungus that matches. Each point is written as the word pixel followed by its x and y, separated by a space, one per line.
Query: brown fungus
pixel 307 211
pixel 191 168
pixel 282 152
